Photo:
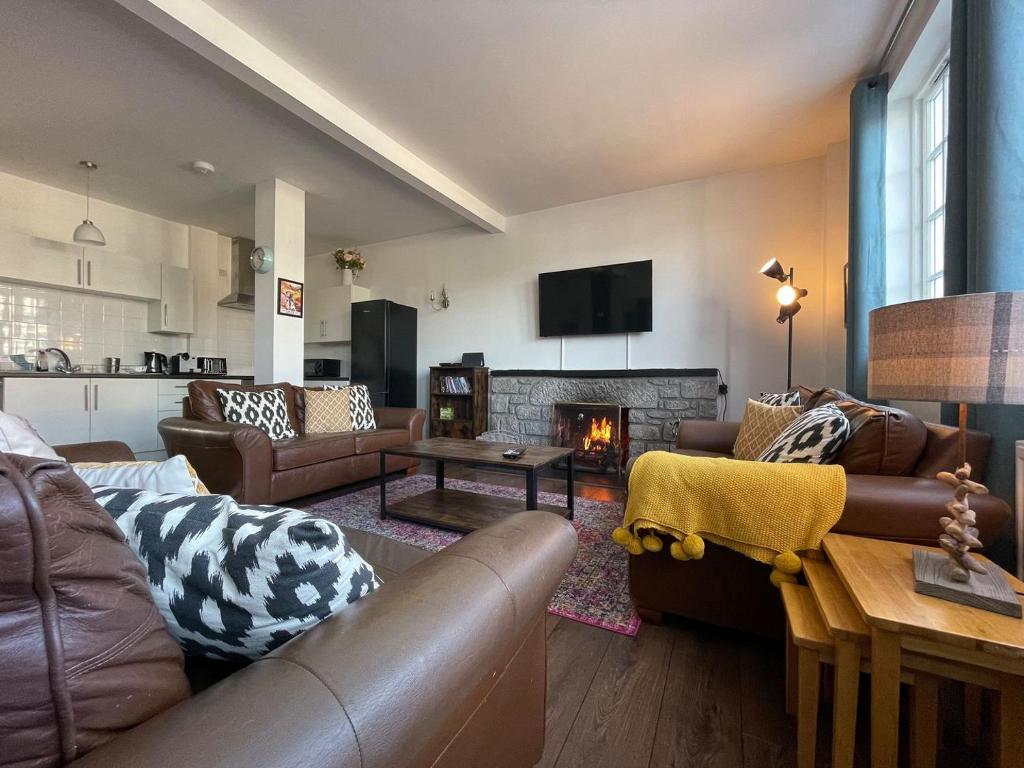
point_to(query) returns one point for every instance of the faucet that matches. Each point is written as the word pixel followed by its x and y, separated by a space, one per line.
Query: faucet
pixel 64 366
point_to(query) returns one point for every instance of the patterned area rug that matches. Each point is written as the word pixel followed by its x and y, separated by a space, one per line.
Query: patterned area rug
pixel 594 591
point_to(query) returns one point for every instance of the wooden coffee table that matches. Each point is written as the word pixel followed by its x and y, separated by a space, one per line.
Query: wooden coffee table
pixel 465 511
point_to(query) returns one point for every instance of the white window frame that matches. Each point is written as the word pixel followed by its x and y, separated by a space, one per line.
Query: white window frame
pixel 925 279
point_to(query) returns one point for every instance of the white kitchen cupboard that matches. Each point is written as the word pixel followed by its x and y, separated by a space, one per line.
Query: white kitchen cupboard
pixel 38 261
pixel 125 409
pixel 59 409
pixel 175 310
pixel 328 312
pixel 27 259
pixel 77 409
pixel 116 275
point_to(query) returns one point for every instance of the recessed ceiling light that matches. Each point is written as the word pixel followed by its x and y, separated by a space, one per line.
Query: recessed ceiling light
pixel 203 167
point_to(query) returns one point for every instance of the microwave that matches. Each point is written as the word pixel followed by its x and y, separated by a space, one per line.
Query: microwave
pixel 321 368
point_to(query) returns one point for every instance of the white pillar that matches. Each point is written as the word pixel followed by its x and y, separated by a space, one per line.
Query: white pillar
pixel 281 225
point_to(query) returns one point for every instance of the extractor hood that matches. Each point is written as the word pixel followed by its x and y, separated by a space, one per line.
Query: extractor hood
pixel 243 278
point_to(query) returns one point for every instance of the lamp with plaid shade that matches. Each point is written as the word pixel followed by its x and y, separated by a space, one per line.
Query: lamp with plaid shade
pixel 963 349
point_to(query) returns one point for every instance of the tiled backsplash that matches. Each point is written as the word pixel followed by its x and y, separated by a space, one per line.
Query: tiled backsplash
pixel 90 328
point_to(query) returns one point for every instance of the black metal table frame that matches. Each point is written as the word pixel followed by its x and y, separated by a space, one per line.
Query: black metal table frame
pixel 531 480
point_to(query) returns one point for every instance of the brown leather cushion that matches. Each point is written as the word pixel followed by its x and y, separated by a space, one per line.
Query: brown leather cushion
pixel 885 441
pixel 205 405
pixel 372 440
pixel 84 652
pixel 304 450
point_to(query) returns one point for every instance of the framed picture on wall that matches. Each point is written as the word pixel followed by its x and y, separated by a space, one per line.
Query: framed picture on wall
pixel 289 298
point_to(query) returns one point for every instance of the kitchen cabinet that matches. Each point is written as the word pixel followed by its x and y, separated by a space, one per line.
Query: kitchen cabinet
pixel 125 410
pixel 27 259
pixel 79 409
pixel 116 275
pixel 328 312
pixel 174 312
pixel 35 260
pixel 59 409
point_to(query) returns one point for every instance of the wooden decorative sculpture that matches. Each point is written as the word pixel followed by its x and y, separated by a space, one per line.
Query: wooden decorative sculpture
pixel 958 576
pixel 960 534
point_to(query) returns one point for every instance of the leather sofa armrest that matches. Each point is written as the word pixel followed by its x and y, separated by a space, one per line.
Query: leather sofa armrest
pixel 410 419
pixel 704 435
pixel 104 451
pixel 908 509
pixel 233 459
pixel 364 687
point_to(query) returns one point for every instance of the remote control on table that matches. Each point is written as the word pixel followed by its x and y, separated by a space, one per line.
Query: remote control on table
pixel 514 453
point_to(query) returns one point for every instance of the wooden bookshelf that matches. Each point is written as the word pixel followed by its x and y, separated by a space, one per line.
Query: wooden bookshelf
pixel 468 408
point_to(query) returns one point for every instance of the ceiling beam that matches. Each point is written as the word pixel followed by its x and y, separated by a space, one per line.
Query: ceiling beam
pixel 216 38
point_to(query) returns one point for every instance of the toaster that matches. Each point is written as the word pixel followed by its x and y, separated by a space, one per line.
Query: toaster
pixel 212 366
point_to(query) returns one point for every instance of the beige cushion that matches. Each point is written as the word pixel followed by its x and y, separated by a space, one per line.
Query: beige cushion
pixel 328 410
pixel 175 475
pixel 760 426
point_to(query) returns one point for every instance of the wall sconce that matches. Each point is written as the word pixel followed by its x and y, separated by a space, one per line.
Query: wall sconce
pixel 440 302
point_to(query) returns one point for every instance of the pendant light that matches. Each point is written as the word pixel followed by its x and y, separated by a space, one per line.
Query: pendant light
pixel 87 232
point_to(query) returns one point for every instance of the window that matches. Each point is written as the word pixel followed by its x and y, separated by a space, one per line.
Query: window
pixel 934 122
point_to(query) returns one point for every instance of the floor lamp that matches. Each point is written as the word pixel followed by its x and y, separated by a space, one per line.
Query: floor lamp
pixel 956 349
pixel 788 297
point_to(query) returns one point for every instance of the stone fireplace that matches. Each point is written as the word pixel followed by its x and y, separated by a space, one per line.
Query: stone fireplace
pixel 598 433
pixel 522 402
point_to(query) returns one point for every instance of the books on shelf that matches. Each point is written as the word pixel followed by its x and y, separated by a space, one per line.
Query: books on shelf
pixel 455 385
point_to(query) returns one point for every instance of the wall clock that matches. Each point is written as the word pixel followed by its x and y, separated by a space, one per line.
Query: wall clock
pixel 262 259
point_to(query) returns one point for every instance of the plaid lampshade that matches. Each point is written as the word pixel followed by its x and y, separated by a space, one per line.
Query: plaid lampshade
pixel 956 349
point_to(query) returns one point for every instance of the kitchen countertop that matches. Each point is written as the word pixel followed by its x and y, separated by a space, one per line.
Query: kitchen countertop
pixel 85 375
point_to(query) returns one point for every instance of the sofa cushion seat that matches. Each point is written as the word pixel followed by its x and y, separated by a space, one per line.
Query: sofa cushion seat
pixel 372 440
pixel 305 450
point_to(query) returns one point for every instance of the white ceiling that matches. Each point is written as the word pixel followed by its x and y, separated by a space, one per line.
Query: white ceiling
pixel 89 80
pixel 530 104
pixel 525 103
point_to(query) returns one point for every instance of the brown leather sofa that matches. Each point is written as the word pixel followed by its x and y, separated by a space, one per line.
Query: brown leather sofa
pixel 243 462
pixel 891 493
pixel 443 666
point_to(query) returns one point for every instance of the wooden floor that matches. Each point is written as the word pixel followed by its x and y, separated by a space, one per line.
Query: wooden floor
pixel 681 695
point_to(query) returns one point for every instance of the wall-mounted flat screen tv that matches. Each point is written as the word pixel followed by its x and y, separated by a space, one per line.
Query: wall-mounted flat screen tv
pixel 615 298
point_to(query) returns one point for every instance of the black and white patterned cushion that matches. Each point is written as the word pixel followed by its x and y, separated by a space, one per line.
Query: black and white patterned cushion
pixel 780 398
pixel 361 407
pixel 266 410
pixel 236 581
pixel 816 437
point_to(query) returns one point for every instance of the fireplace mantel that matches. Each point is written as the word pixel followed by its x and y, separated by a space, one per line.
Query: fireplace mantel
pixel 521 401
pixel 619 373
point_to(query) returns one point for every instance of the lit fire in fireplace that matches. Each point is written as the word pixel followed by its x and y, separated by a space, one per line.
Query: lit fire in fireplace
pixel 600 435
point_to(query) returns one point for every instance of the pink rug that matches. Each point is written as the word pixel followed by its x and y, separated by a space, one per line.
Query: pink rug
pixel 594 591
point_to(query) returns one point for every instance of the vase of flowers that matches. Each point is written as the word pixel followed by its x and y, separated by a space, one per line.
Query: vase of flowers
pixel 350 261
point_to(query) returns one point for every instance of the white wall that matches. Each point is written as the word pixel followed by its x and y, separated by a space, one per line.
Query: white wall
pixel 707 239
pixel 91 327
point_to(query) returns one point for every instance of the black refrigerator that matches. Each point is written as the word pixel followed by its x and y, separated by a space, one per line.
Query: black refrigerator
pixel 384 351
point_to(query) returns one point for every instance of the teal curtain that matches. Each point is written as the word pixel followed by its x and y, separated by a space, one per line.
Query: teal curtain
pixel 985 185
pixel 866 282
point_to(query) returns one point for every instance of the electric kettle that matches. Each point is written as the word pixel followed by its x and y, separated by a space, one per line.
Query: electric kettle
pixel 156 362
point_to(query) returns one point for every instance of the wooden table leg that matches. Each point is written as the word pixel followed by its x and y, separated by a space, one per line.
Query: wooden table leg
pixel 885 698
pixel 570 486
pixel 844 708
pixel 531 489
pixel 1011 722
pixel 792 673
pixel 383 486
pixel 809 678
pixel 925 721
pixel 438 473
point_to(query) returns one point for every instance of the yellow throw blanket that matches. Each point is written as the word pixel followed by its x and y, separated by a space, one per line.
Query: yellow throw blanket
pixel 765 511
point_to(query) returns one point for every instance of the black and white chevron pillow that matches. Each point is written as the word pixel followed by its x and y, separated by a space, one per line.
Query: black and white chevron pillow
pixel 266 410
pixel 360 407
pixel 236 581
pixel 780 398
pixel 815 437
